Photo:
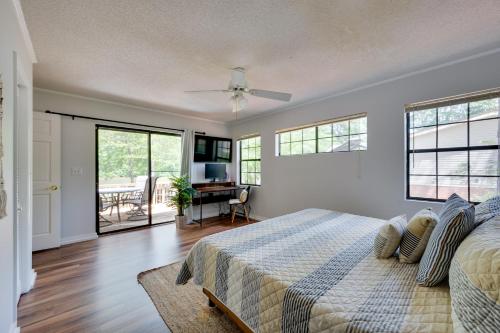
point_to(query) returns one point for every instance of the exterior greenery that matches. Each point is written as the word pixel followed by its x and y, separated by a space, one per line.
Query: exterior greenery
pixel 123 155
pixel 453 113
pixel 250 161
pixel 346 135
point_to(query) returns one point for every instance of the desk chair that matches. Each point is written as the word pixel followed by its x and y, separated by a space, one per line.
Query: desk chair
pixel 241 202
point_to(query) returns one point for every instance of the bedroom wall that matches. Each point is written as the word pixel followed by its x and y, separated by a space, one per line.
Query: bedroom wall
pixel 12 44
pixel 78 150
pixel 367 183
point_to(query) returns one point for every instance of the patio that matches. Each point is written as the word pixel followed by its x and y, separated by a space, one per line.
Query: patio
pixel 117 213
pixel 160 213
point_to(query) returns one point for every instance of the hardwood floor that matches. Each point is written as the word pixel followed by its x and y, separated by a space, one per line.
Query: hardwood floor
pixel 92 286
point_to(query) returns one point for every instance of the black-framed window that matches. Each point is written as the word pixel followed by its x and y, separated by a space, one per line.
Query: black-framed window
pixel 453 148
pixel 334 136
pixel 249 159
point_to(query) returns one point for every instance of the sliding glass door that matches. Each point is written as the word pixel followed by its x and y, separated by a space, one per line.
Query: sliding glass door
pixel 165 163
pixel 133 170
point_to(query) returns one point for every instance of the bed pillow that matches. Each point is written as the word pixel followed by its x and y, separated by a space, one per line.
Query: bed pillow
pixel 416 236
pixel 388 237
pixel 475 280
pixel 487 210
pixel 456 221
pixel 243 196
pixel 454 201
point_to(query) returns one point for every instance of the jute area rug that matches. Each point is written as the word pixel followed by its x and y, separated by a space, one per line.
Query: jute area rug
pixel 183 308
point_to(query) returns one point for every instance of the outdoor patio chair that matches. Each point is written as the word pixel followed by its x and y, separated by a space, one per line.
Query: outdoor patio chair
pixel 105 203
pixel 140 199
pixel 140 182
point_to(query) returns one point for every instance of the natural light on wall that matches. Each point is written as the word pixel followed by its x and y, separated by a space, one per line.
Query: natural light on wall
pixel 452 147
pixel 334 135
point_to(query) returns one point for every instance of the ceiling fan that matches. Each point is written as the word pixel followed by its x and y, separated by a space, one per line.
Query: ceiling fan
pixel 238 87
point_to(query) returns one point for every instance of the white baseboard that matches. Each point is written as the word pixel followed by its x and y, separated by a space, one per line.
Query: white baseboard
pixel 31 284
pixel 14 328
pixel 78 238
pixel 18 290
pixel 258 218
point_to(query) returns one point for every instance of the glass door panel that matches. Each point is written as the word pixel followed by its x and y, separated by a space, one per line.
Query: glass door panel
pixel 122 182
pixel 165 163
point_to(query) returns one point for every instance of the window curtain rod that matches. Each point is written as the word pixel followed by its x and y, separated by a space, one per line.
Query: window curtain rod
pixel 73 116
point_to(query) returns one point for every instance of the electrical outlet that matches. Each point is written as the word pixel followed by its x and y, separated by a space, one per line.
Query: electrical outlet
pixel 76 171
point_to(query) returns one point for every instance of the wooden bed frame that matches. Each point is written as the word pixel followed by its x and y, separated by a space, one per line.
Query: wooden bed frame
pixel 214 301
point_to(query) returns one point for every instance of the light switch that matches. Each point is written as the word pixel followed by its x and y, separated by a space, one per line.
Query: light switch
pixel 76 171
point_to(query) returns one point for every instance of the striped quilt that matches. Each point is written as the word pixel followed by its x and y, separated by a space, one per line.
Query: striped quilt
pixel 314 271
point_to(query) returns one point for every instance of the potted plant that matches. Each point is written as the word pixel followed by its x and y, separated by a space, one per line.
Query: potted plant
pixel 181 199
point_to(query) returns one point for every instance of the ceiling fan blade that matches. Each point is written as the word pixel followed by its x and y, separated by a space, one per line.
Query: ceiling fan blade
pixel 206 91
pixel 280 96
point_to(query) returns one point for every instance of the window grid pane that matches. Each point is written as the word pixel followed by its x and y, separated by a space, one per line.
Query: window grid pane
pixel 341 136
pixel 250 154
pixel 460 142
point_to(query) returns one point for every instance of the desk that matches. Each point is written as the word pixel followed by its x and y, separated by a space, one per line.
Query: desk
pixel 211 189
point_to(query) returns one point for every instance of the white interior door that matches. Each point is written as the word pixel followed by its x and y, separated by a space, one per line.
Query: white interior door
pixel 46 181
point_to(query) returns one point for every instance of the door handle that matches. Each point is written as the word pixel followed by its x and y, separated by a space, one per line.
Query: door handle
pixel 53 188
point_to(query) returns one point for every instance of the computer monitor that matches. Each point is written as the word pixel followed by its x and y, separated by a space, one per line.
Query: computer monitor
pixel 215 171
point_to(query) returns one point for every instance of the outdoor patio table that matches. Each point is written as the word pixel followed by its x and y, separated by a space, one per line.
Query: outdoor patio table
pixel 116 193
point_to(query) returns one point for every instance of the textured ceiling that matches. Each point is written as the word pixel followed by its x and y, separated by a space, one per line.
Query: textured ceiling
pixel 148 52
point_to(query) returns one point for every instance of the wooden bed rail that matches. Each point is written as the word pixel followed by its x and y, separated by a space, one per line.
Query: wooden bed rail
pixel 234 318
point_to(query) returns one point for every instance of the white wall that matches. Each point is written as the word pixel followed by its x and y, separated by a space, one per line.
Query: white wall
pixel 198 172
pixel 368 183
pixel 78 150
pixel 11 40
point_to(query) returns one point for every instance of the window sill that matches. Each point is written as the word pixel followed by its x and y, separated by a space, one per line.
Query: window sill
pixel 429 200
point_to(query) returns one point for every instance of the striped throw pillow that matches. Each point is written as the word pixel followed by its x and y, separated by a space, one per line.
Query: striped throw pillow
pixel 416 236
pixel 456 221
pixel 487 210
pixel 388 237
pixel 454 201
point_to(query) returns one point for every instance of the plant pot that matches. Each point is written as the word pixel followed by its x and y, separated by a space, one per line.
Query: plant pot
pixel 180 221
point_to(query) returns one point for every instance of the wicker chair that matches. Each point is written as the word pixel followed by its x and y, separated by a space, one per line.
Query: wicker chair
pixel 241 203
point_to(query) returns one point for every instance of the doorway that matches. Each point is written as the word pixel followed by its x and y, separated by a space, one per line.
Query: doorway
pixel 133 172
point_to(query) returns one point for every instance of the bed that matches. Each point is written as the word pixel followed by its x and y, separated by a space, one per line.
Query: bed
pixel 313 271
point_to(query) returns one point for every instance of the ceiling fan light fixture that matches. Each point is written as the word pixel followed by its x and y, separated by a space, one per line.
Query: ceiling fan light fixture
pixel 238 102
pixel 242 102
pixel 235 103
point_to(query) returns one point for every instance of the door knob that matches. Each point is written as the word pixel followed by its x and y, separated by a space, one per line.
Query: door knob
pixel 53 188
